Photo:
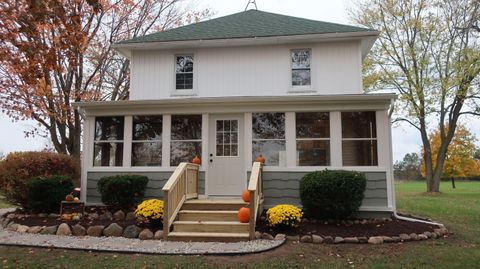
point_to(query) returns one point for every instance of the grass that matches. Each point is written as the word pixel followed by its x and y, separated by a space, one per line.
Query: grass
pixel 458 209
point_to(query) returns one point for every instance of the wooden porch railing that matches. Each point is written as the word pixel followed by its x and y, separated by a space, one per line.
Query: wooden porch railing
pixel 255 188
pixel 181 186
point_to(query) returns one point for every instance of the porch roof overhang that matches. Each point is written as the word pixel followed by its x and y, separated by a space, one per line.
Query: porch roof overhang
pixel 237 104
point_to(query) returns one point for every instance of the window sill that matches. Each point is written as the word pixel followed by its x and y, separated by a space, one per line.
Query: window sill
pixel 301 89
pixel 184 93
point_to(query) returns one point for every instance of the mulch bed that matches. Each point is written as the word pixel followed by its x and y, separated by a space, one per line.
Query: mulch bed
pixel 392 227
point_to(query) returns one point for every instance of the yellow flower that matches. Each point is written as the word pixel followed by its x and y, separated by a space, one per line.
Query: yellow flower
pixel 286 215
pixel 150 209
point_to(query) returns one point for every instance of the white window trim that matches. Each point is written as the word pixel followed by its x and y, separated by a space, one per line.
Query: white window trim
pixel 301 88
pixel 184 92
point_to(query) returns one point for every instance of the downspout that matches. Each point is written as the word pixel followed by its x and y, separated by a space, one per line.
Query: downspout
pixel 394 203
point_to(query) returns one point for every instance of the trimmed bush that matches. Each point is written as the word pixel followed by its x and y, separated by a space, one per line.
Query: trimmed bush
pixel 122 190
pixel 18 167
pixel 45 194
pixel 332 193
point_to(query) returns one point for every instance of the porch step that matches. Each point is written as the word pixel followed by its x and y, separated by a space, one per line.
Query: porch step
pixel 208 237
pixel 207 215
pixel 209 205
pixel 225 227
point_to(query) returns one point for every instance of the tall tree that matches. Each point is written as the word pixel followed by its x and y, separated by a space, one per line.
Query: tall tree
pixel 56 52
pixel 408 168
pixel 429 52
pixel 460 160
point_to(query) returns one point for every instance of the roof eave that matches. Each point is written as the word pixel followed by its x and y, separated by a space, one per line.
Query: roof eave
pixel 367 37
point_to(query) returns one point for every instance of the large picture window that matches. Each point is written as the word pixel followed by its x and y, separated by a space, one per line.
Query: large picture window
pixel 313 138
pixel 184 72
pixel 359 139
pixel 269 138
pixel 301 67
pixel 186 138
pixel 108 141
pixel 147 141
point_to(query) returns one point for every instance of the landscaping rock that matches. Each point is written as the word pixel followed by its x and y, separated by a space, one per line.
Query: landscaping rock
pixel 79 230
pixel 113 230
pixel 317 239
pixel 34 229
pixel 404 237
pixel 441 231
pixel 64 229
pixel 130 216
pixel 280 237
pixel 54 215
pixel 131 231
pixel 49 230
pixel 267 236
pixel 434 235
pixel 146 234
pixel 396 239
pixel 328 240
pixel 364 221
pixel 375 240
pixel 119 215
pixel 106 216
pixel 93 216
pixel 95 230
pixel 293 237
pixel 42 215
pixel 351 240
pixel 387 239
pixel 362 239
pixel 422 237
pixel 22 229
pixel 5 222
pixel 12 226
pixel 413 236
pixel 428 234
pixel 306 239
pixel 338 240
pixel 158 235
pixel 258 235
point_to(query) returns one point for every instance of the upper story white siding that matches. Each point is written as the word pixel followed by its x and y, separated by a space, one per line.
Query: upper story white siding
pixel 248 71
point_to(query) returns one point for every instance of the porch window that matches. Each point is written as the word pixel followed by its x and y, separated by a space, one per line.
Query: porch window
pixel 313 138
pixel 359 139
pixel 186 138
pixel 301 67
pixel 108 141
pixel 184 72
pixel 268 130
pixel 147 141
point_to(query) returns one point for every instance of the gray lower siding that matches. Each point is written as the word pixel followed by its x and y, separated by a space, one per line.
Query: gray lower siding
pixel 154 187
pixel 283 187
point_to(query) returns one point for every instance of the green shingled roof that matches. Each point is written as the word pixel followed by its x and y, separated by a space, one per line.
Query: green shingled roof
pixel 247 24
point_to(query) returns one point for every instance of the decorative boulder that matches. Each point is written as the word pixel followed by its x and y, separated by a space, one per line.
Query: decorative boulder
pixel 375 240
pixel 146 234
pixel 113 230
pixel 22 229
pixel 96 230
pixel 119 215
pixel 131 231
pixel 130 216
pixel 79 230
pixel 34 230
pixel 64 229
pixel 49 230
pixel 158 235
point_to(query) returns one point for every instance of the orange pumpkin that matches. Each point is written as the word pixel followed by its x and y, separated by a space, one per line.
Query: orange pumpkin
pixel 196 160
pixel 244 214
pixel 246 196
pixel 260 159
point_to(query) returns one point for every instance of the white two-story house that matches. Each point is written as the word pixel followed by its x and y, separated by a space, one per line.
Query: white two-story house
pixel 230 89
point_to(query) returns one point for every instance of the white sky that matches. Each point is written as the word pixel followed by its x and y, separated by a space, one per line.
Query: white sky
pixel 405 139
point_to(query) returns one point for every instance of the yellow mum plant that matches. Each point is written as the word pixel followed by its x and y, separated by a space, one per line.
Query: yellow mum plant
pixel 150 209
pixel 284 215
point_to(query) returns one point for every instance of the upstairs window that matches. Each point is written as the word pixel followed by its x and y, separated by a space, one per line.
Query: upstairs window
pixel 108 141
pixel 184 72
pixel 301 59
pixel 359 139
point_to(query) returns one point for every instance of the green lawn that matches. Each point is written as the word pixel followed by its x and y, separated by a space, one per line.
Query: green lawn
pixel 458 209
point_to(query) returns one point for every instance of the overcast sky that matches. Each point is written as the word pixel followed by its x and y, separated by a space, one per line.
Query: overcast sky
pixel 405 139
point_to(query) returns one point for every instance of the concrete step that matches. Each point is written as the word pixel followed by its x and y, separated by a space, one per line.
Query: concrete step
pixel 208 215
pixel 211 226
pixel 199 204
pixel 208 237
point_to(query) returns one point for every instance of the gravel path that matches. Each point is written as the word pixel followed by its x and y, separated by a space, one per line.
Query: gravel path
pixel 120 244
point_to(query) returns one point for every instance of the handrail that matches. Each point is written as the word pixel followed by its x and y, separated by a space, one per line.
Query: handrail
pixel 181 186
pixel 255 189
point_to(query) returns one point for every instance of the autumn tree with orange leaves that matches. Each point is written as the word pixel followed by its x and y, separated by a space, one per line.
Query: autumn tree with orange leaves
pixel 56 52
pixel 460 161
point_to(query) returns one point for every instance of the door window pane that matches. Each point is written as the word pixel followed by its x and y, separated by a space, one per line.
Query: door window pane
pixel 227 138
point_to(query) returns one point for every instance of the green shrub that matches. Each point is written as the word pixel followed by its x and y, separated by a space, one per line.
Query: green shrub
pixel 18 167
pixel 122 190
pixel 45 194
pixel 332 193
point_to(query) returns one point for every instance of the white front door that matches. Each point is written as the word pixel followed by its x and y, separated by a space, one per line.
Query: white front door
pixel 226 174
